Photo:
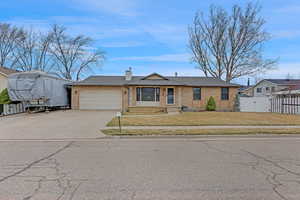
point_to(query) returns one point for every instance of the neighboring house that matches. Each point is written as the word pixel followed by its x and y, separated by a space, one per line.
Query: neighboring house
pixel 154 90
pixel 267 87
pixel 246 91
pixel 4 72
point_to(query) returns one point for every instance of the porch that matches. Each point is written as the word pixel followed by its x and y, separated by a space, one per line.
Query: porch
pixel 153 99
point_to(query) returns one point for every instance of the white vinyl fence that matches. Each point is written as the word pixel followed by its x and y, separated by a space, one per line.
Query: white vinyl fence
pixel 9 109
pixel 255 104
pixel 286 104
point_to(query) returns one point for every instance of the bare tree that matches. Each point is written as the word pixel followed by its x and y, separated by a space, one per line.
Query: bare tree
pixel 229 46
pixel 32 53
pixel 73 55
pixel 9 37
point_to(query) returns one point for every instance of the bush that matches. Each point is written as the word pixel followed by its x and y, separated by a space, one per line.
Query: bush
pixel 4 97
pixel 211 104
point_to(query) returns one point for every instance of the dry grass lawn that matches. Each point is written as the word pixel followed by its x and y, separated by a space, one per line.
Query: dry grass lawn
pixel 137 132
pixel 209 119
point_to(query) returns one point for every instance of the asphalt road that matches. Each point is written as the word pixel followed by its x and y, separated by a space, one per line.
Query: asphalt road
pixel 222 168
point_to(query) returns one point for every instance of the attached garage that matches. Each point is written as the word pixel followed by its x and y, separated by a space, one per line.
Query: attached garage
pixel 101 99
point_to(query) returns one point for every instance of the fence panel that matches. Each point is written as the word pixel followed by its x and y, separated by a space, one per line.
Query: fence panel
pixel 9 109
pixel 286 104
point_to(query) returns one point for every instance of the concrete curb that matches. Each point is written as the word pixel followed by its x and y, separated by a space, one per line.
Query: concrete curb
pixel 202 127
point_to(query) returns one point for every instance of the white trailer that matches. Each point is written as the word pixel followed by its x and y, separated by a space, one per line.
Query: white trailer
pixel 38 89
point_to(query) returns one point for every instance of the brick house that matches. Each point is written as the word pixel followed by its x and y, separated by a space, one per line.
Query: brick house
pixel 4 72
pixel 167 93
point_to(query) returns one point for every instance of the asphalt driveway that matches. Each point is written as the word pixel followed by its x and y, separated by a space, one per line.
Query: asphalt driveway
pixel 69 124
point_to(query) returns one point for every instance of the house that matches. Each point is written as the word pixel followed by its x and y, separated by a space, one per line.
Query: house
pixel 4 72
pixel 246 91
pixel 267 87
pixel 169 93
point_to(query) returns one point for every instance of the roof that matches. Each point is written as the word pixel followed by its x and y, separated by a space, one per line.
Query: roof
pixel 167 81
pixel 284 81
pixel 6 71
pixel 35 74
pixel 154 74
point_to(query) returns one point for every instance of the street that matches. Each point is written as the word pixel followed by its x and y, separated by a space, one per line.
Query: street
pixel 230 168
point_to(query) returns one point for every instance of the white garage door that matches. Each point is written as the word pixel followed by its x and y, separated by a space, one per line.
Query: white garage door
pixel 101 99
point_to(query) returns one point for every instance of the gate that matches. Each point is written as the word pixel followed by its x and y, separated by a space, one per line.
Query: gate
pixel 255 104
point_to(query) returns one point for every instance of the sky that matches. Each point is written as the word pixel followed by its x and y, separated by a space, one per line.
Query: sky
pixel 151 35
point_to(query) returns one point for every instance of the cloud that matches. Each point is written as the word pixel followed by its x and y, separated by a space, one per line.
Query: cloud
pixel 289 9
pixel 285 68
pixel 122 44
pixel 184 57
pixel 118 7
pixel 289 34
pixel 167 33
pixel 37 25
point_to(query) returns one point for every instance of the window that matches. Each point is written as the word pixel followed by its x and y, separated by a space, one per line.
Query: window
pixel 138 94
pixel 224 93
pixel 197 94
pixel 258 90
pixel 147 94
pixel 267 89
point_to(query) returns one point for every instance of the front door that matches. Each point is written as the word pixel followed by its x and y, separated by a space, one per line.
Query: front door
pixel 170 96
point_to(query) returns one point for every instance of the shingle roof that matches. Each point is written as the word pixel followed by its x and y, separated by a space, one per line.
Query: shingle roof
pixel 138 80
pixel 7 71
pixel 284 81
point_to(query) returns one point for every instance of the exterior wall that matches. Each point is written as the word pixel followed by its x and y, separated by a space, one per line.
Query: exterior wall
pixel 263 85
pixel 163 98
pixel 206 93
pixel 77 89
pixel 3 82
pixel 248 92
pixel 183 97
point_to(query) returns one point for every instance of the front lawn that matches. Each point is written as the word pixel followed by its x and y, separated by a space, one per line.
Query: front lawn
pixel 209 119
pixel 237 131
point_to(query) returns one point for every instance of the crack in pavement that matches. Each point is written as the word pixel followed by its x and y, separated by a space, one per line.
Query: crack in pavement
pixel 271 176
pixel 35 162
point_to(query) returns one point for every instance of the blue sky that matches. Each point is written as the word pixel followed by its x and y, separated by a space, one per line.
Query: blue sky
pixel 151 35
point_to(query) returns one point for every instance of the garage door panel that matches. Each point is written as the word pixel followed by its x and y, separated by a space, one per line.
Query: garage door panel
pixel 101 99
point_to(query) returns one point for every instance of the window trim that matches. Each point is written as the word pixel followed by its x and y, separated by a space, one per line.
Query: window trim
pixel 200 94
pixel 227 97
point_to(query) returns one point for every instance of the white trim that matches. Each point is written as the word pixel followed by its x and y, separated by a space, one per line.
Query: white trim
pixel 174 99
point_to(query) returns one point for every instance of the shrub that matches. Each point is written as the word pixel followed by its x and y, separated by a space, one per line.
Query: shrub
pixel 211 104
pixel 4 97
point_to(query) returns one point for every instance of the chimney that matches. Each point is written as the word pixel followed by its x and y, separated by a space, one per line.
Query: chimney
pixel 176 74
pixel 248 84
pixel 128 74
